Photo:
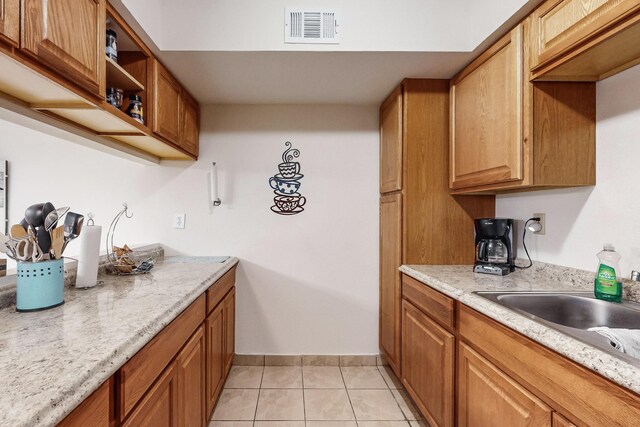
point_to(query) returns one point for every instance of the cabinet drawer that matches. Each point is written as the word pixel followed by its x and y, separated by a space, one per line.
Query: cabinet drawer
pixel 582 396
pixel 441 308
pixel 96 410
pixel 220 288
pixel 137 375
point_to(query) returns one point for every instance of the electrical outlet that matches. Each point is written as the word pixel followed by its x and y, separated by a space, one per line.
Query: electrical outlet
pixel 178 221
pixel 543 228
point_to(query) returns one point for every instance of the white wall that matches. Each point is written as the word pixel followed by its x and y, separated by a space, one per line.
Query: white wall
pixel 365 25
pixel 306 283
pixel 580 220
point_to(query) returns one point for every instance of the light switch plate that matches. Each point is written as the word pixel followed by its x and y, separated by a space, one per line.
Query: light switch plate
pixel 179 220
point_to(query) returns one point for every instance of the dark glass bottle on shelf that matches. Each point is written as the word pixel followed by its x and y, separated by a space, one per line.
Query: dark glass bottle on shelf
pixel 135 108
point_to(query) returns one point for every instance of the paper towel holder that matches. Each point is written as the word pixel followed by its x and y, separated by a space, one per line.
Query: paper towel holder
pixel 215 199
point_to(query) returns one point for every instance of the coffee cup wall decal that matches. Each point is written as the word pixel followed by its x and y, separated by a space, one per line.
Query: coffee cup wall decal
pixel 286 184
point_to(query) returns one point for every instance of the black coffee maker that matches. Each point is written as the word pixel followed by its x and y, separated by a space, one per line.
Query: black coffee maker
pixel 494 246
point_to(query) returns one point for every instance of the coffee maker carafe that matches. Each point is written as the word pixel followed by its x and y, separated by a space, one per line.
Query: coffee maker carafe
pixel 494 246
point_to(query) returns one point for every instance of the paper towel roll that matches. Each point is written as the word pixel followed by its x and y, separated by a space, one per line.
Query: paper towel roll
pixel 89 256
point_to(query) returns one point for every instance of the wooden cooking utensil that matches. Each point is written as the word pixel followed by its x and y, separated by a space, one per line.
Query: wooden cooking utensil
pixel 57 241
pixel 17 231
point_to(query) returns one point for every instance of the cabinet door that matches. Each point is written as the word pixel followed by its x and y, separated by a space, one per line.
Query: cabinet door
pixel 166 104
pixel 68 36
pixel 229 328
pixel 390 288
pixel 159 407
pixel 561 25
pixel 190 122
pixel 215 355
pixel 95 410
pixel 428 363
pixel 10 21
pixel 391 143
pixel 486 117
pixel 190 364
pixel 488 397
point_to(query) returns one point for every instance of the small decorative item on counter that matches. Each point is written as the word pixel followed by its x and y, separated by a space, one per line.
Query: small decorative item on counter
pixel 112 45
pixel 123 260
pixel 135 108
pixel 37 244
pixel 115 97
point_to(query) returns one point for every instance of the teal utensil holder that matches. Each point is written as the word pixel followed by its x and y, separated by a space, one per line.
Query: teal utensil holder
pixel 39 285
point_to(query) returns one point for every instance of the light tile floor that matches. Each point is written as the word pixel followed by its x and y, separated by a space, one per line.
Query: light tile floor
pixel 314 396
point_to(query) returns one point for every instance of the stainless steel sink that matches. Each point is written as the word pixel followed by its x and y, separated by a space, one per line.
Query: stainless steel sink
pixel 573 314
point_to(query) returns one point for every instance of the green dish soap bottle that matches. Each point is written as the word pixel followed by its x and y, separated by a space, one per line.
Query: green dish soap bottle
pixel 608 286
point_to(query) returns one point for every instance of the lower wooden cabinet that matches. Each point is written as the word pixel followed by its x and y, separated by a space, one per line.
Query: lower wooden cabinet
pixel 190 364
pixel 95 411
pixel 455 357
pixel 229 329
pixel 487 397
pixel 159 407
pixel 214 326
pixel 390 287
pixel 428 365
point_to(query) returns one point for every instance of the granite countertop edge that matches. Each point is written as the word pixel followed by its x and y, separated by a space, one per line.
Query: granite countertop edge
pixel 90 381
pixel 612 368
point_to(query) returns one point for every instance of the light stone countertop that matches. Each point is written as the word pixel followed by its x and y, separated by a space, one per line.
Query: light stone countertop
pixel 52 360
pixel 459 282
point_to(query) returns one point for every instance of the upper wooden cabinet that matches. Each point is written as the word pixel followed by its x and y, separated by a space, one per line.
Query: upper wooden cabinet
pixel 486 123
pixel 509 134
pixel 54 62
pixel 488 397
pixel 69 37
pixel 166 104
pixel 10 21
pixel 584 40
pixel 190 124
pixel 176 115
pixel 391 143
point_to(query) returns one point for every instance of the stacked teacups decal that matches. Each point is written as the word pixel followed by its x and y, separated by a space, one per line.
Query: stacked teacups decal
pixel 286 184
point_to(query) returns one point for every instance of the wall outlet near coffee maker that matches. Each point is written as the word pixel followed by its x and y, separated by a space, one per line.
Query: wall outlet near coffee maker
pixel 543 227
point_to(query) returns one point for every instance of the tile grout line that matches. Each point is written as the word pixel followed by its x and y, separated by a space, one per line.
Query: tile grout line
pixel 255 413
pixel 346 389
pixel 394 396
pixel 304 403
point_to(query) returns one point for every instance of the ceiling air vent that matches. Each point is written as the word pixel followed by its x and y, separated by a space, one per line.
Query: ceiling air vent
pixel 311 26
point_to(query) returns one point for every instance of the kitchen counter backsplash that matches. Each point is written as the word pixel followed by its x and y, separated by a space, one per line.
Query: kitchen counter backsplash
pixel 8 283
